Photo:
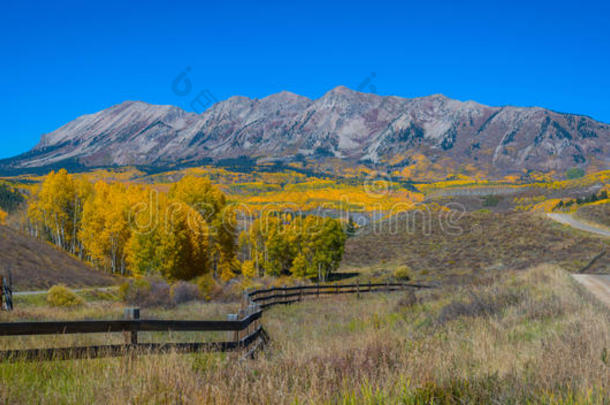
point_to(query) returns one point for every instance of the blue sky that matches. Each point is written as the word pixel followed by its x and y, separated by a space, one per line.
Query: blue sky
pixel 63 59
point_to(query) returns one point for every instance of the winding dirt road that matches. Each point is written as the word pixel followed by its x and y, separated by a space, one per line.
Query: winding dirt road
pixel 598 284
pixel 569 220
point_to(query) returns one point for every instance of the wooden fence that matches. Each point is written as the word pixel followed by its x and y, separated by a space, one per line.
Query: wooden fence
pixel 287 295
pixel 244 329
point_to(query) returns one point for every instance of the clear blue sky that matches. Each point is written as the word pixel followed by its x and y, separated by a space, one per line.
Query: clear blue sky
pixel 61 60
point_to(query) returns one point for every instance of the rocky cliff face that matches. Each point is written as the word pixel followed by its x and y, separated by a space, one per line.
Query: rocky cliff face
pixel 343 123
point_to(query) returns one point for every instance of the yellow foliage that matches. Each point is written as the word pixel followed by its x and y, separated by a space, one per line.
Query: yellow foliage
pixel 600 202
pixel 248 269
pixel 105 226
pixel 206 285
pixel 61 296
pixel 175 245
pixel 330 195
pixel 55 208
pixel 3 216
pixel 225 271
pixel 544 206
pixel 402 273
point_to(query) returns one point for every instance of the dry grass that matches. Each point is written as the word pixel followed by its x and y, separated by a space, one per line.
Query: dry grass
pixel 38 265
pixel 543 340
pixel 597 213
pixel 481 242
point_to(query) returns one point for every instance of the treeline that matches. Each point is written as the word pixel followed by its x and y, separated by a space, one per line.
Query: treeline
pixel 181 233
pixel 10 198
pixel 602 195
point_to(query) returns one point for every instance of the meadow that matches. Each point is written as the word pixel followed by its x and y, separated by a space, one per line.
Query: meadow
pixel 517 336
pixel 506 322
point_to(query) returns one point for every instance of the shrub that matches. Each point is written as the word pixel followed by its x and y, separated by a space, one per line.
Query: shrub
pixel 575 173
pixel 207 286
pixel 152 292
pixel 62 296
pixel 182 292
pixel 407 300
pixel 491 200
pixel 402 273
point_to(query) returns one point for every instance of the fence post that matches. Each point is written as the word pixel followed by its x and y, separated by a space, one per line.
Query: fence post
pixel 284 293
pixel 318 289
pixel 8 290
pixel 245 302
pixel 387 286
pixel 301 293
pixel 358 289
pixel 232 335
pixel 133 314
pixel 252 326
pixel 370 286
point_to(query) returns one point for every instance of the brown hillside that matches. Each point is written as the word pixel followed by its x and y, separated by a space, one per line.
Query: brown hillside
pixel 37 265
pixel 479 242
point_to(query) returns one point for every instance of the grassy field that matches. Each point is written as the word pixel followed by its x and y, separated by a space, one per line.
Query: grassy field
pixel 518 336
pixel 473 244
pixel 507 324
pixel 596 213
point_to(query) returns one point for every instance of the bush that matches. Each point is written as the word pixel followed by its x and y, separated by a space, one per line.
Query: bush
pixel 62 296
pixel 402 273
pixel 182 292
pixel 575 173
pixel 207 286
pixel 491 200
pixel 407 300
pixel 152 292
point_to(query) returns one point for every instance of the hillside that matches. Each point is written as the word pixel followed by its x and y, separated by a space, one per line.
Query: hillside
pixel 479 243
pixel 344 127
pixel 596 213
pixel 38 265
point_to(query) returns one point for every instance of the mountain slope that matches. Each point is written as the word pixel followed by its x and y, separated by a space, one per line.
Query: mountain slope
pixel 38 265
pixel 343 123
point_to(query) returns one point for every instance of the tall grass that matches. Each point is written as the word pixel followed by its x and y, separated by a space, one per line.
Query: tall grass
pixel 527 336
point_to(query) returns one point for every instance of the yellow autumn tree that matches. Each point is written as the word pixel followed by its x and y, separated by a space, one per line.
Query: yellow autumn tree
pixel 176 247
pixel 55 210
pixel 205 198
pixel 3 216
pixel 285 244
pixel 105 225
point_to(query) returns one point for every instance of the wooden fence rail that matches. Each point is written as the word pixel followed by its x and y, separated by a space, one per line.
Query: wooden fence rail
pixel 288 295
pixel 243 329
pixel 123 325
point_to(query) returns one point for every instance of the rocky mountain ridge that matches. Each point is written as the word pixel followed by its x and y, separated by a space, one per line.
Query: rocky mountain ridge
pixel 343 124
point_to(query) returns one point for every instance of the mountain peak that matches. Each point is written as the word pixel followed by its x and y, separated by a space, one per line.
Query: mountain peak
pixel 286 96
pixel 343 91
pixel 343 122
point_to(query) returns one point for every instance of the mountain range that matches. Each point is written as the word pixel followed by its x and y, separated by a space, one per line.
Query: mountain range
pixel 344 125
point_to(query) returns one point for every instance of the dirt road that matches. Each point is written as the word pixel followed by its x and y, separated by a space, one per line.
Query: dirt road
pixel 76 290
pixel 598 284
pixel 569 220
